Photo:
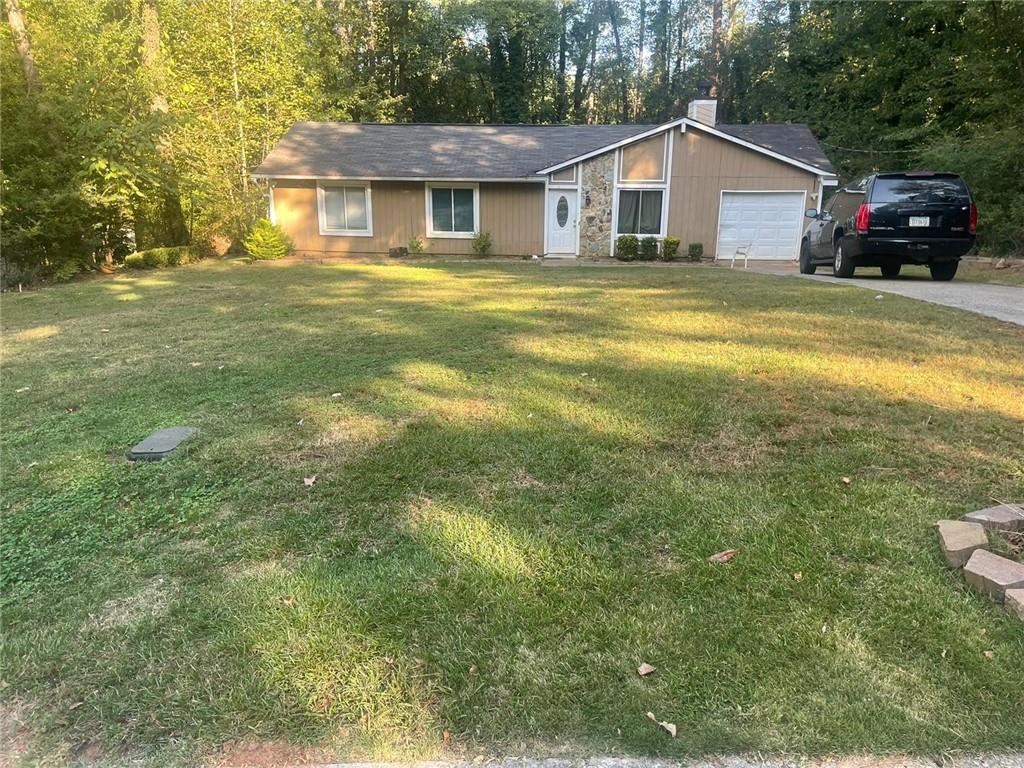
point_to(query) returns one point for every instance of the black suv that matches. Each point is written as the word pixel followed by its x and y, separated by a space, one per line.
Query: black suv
pixel 890 219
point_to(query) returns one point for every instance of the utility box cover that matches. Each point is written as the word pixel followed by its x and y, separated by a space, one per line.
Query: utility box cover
pixel 160 444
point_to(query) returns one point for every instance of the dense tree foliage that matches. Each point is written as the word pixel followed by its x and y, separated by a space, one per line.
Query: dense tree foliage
pixel 135 123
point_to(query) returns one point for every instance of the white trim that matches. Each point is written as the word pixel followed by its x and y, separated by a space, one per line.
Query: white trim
pixel 321 212
pixel 609 147
pixel 271 209
pixel 799 229
pixel 305 177
pixel 579 205
pixel 546 187
pixel 830 182
pixel 613 235
pixel 664 167
pixel 662 232
pixel 445 184
pixel 668 178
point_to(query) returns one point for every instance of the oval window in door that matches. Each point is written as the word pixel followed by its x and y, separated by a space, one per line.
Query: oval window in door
pixel 562 211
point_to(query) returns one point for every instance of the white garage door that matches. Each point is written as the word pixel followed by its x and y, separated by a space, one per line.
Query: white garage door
pixel 768 223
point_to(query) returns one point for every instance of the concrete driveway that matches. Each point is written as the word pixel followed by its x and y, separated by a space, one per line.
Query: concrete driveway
pixel 1003 302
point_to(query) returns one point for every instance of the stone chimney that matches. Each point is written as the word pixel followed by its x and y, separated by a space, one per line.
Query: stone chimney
pixel 704 108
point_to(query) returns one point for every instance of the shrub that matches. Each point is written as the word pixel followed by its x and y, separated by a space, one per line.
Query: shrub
pixel 267 241
pixel 482 243
pixel 627 247
pixel 648 249
pixel 416 245
pixel 670 249
pixel 695 251
pixel 162 257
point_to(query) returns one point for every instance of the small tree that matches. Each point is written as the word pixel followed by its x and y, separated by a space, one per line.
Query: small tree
pixel 267 241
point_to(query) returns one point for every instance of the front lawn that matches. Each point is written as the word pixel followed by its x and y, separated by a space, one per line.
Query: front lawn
pixel 520 473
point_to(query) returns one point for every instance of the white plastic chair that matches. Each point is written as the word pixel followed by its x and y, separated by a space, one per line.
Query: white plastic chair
pixel 744 251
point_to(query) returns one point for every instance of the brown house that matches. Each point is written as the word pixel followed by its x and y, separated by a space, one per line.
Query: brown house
pixel 553 190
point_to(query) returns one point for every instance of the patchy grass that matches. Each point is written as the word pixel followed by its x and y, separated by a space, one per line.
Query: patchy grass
pixel 521 473
pixel 980 272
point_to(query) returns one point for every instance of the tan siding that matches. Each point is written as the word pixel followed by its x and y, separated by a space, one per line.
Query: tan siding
pixel 566 174
pixel 644 161
pixel 512 213
pixel 703 166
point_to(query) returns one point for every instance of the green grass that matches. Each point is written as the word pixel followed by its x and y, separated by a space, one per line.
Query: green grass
pixel 521 473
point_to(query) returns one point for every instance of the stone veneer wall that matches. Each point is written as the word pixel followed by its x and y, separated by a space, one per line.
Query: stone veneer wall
pixel 597 181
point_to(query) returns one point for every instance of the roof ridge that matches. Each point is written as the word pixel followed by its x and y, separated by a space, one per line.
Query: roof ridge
pixel 485 125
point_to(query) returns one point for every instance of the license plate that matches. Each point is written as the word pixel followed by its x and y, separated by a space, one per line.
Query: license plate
pixel 920 221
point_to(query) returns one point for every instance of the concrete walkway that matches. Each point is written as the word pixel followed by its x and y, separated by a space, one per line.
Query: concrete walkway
pixel 1003 302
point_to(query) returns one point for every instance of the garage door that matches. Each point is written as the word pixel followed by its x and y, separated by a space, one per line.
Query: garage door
pixel 768 223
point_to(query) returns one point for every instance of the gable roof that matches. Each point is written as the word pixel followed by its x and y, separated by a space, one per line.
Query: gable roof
pixel 493 152
pixel 430 151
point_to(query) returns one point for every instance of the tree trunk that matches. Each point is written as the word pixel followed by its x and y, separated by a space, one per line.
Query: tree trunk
pixel 623 84
pixel 716 46
pixel 23 44
pixel 169 227
pixel 640 58
pixel 561 96
pixel 239 114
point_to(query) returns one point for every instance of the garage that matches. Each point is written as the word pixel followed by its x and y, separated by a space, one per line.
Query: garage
pixel 764 224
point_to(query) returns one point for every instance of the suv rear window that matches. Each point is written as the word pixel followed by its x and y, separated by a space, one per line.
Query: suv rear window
pixel 917 189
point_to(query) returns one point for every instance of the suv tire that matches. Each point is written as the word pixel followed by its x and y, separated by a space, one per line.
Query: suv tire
pixel 842 265
pixel 806 267
pixel 943 270
pixel 891 269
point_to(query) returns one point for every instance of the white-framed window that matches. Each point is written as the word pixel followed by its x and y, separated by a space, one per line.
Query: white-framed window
pixel 344 209
pixel 640 211
pixel 453 210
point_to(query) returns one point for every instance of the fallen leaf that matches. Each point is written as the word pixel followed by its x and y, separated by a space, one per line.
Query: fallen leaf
pixel 446 737
pixel 104 330
pixel 308 481
pixel 989 654
pixel 220 367
pixel 473 670
pixel 33 464
pixel 288 601
pixel 336 394
pixel 195 365
pixel 70 409
pixel 22 389
pixel 670 727
pixel 797 576
pixel 76 705
pixel 724 556
pixel 943 653
pixel 645 669
pixel 878 296
pixel 299 422
pixel 846 481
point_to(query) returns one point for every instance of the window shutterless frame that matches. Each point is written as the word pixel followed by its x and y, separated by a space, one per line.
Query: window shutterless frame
pixel 464 234
pixel 321 207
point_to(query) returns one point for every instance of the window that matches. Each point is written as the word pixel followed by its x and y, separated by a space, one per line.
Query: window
pixel 345 210
pixel 640 211
pixel 452 210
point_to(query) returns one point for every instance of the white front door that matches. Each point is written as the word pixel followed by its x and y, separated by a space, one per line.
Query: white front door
pixel 562 215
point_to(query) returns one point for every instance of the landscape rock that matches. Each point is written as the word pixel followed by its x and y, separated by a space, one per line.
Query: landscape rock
pixel 993 575
pixel 959 539
pixel 1003 517
pixel 1015 602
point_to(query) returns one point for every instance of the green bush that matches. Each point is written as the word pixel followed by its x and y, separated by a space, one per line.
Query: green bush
pixel 416 245
pixel 627 247
pixel 648 249
pixel 670 249
pixel 482 243
pixel 162 257
pixel 267 241
pixel 695 251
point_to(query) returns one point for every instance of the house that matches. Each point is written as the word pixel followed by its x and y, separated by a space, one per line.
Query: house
pixel 552 190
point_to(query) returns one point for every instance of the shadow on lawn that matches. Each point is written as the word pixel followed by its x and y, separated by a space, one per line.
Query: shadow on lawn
pixel 495 540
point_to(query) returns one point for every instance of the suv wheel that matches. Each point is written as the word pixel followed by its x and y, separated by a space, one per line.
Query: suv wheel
pixel 943 270
pixel 842 265
pixel 891 269
pixel 806 267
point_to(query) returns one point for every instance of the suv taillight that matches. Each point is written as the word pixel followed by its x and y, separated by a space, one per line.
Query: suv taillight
pixel 863 218
pixel 972 224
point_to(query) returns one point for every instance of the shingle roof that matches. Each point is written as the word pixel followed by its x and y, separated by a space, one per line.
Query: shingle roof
pixel 416 150
pixel 403 150
pixel 793 140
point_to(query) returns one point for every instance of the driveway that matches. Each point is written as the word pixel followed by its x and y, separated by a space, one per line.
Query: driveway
pixel 1003 302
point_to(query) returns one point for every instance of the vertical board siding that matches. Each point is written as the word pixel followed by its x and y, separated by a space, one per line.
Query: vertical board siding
pixel 512 213
pixel 703 166
pixel 644 160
